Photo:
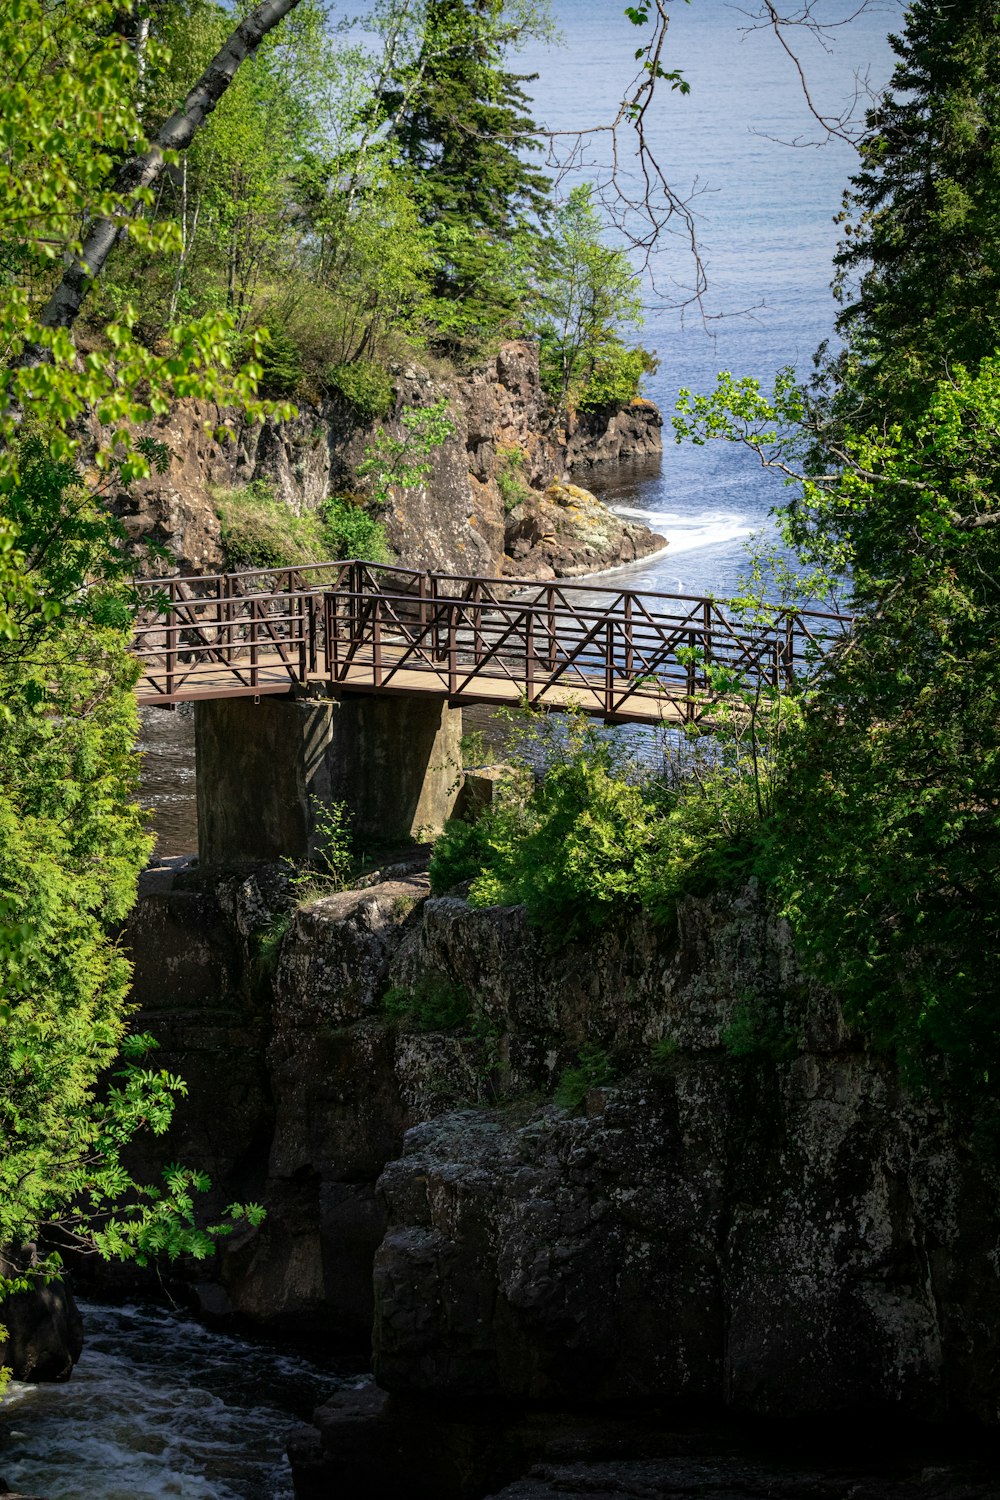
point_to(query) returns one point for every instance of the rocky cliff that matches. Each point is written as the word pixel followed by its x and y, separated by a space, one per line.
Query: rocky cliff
pixel 459 520
pixel 784 1231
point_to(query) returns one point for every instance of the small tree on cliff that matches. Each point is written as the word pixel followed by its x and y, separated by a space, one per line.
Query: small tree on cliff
pixel 459 118
pixel 590 295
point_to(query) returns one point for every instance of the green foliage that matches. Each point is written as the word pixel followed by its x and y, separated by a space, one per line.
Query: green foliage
pixel 432 1004
pixel 370 268
pixel 919 264
pixel 332 862
pixel 884 844
pixel 334 842
pixel 365 386
pixel 349 530
pixel 72 843
pixel 271 937
pixel 460 124
pixel 887 856
pixel 662 1054
pixel 281 366
pixel 616 377
pixel 597 837
pixel 757 1028
pixel 590 294
pixel 68 105
pixel 594 1069
pixel 513 487
pixel 475 752
pixel 261 531
pixel 404 462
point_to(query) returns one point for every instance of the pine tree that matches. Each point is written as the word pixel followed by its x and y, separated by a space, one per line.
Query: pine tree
pixel 461 132
pixel 922 215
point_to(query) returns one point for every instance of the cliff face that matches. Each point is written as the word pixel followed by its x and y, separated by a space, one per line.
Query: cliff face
pixel 789 1235
pixel 456 521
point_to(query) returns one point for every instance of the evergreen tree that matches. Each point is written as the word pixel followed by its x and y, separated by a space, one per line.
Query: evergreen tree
pixel 922 216
pixel 460 121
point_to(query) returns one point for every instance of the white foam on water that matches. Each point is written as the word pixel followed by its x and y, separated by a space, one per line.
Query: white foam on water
pixel 159 1407
pixel 690 533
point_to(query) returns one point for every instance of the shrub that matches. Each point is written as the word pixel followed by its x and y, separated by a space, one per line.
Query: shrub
pixel 261 531
pixel 349 530
pixel 433 1004
pixel 365 386
pixel 330 868
pixel 511 483
pixel 280 365
pixel 593 1069
pixel 594 838
pixel 757 1029
pixel 616 377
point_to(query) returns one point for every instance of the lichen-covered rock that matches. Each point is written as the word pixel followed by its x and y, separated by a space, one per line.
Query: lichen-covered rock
pixel 338 1114
pixel 781 1230
pixel 566 532
pixel 335 958
pixel 628 986
pixel 758 1235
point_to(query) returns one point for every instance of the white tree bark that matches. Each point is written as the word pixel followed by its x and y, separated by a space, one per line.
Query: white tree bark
pixel 176 134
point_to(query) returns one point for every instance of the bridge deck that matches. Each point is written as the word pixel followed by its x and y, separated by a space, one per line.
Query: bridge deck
pixel 209 681
pixel 354 627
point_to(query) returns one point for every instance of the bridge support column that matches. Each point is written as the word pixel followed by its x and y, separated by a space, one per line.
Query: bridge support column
pixel 262 767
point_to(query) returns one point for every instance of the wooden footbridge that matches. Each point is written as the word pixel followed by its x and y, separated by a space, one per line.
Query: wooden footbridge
pixel 355 627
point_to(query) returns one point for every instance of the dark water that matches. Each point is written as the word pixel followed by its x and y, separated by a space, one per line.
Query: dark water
pixel 166 743
pixel 158 1406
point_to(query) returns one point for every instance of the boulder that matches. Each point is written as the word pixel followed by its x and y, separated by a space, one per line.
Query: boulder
pixel 44 1330
pixel 566 532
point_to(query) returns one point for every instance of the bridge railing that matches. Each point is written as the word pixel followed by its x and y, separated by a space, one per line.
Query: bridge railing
pixel 616 650
pixel 400 629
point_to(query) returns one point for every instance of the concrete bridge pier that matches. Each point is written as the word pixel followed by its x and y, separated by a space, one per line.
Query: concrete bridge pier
pixel 263 766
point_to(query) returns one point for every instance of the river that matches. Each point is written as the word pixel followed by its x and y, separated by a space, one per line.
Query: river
pixel 158 1408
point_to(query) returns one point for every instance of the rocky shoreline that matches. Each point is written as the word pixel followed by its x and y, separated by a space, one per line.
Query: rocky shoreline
pixel 463 519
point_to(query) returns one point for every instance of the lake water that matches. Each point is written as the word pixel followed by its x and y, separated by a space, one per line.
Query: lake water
pixel 764 219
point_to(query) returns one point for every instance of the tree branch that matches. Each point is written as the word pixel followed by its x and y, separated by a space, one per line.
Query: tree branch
pixel 141 171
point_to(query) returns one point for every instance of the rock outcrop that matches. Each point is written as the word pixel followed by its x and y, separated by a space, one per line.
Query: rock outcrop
pixel 566 532
pixel 782 1229
pixel 613 435
pixel 43 1331
pixel 455 521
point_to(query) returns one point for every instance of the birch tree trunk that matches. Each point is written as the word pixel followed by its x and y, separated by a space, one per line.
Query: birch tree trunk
pixel 176 134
